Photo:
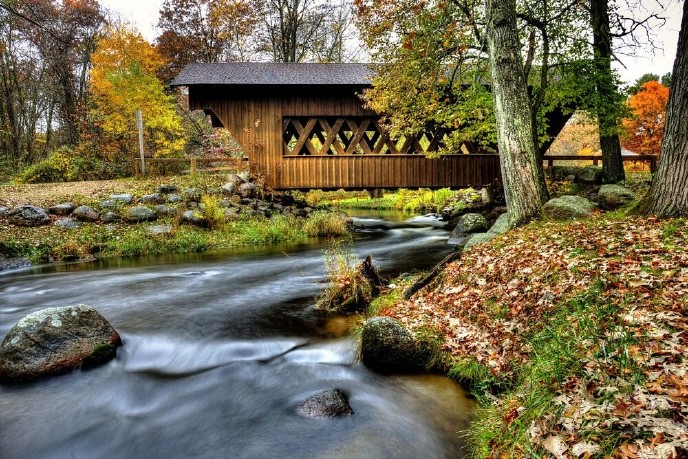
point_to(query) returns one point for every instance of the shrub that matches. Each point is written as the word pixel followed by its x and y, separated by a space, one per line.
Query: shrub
pixel 213 213
pixel 67 165
pixel 55 168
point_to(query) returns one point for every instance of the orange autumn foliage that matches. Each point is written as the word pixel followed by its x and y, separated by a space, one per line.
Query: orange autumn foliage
pixel 645 130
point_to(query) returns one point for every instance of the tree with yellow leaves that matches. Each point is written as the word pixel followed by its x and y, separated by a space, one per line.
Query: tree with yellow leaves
pixel 123 79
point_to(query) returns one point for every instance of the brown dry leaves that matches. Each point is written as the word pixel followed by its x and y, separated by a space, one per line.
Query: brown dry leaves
pixel 502 291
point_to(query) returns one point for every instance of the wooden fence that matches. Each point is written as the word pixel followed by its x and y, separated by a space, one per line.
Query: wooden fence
pixel 596 159
pixel 197 164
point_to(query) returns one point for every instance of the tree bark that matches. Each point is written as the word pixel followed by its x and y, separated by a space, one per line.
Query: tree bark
pixel 608 119
pixel 524 188
pixel 668 195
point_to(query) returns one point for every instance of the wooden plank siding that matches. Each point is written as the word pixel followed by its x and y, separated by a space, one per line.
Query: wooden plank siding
pixel 255 117
pixel 387 171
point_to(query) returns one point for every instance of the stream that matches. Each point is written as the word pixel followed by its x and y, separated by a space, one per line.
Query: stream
pixel 219 350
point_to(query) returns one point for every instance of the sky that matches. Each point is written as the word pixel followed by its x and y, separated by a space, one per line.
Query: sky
pixel 144 15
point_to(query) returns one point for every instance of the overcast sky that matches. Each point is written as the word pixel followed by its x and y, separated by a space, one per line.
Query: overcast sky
pixel 144 15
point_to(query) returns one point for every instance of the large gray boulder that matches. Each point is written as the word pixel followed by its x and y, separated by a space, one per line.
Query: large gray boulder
pixel 611 197
pixel 68 223
pixel 155 198
pixel 230 188
pixel 63 209
pixel 567 207
pixel 110 217
pixel 328 404
pixel 28 215
pixel 86 214
pixel 249 190
pixel 386 345
pixel 500 226
pixel 140 214
pixel 471 223
pixel 56 340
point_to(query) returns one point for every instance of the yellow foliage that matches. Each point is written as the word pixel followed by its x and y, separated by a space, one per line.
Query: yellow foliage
pixel 123 79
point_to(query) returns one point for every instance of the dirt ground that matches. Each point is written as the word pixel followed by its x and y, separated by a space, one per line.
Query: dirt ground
pixel 43 194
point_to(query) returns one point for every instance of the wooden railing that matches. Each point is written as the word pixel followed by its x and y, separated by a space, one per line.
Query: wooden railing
pixel 320 136
pixel 196 164
pixel 597 159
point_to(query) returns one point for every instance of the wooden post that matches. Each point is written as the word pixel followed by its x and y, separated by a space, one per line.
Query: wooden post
pixel 193 166
pixel 139 125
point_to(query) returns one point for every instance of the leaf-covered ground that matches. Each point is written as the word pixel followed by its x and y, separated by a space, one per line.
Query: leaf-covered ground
pixel 606 301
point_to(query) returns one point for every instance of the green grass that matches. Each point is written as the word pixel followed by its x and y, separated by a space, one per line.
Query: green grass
pixel 50 243
pixel 581 330
pixel 403 200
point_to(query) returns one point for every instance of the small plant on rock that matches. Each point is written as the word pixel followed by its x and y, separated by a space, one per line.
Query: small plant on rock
pixel 352 284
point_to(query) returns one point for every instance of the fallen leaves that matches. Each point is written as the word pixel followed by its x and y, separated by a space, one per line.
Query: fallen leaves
pixel 501 292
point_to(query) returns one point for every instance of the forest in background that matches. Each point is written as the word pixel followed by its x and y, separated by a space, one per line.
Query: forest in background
pixel 73 77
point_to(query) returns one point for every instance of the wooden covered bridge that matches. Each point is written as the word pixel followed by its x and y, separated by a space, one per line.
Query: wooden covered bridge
pixel 304 126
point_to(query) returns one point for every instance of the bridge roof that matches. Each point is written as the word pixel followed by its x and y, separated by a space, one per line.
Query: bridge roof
pixel 274 74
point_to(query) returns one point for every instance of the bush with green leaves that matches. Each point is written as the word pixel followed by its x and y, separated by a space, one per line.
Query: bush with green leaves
pixel 69 165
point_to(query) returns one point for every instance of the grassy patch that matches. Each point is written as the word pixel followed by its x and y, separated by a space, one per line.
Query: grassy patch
pixel 403 200
pixel 50 243
pixel 581 334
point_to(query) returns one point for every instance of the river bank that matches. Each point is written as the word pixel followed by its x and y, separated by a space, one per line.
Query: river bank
pixel 82 220
pixel 573 337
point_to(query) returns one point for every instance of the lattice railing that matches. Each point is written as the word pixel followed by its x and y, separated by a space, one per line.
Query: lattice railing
pixel 353 135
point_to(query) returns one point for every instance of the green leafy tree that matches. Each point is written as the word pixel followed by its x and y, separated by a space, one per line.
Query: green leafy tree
pixel 638 85
pixel 123 79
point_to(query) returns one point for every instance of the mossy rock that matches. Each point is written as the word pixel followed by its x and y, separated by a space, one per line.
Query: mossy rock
pixel 568 207
pixel 387 346
pixel 611 197
pixel 56 340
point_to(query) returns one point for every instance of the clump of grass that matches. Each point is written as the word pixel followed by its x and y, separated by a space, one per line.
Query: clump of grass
pixel 383 302
pixel 326 224
pixel 213 213
pixel 348 288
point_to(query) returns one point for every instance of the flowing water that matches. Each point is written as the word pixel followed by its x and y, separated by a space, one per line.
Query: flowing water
pixel 219 350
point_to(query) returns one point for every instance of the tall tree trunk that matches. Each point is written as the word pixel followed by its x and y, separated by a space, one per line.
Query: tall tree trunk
pixel 607 115
pixel 668 195
pixel 524 188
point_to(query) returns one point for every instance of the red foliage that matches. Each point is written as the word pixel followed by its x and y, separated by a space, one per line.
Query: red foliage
pixel 645 130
